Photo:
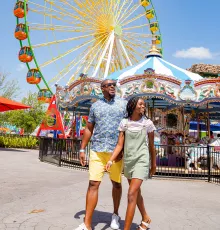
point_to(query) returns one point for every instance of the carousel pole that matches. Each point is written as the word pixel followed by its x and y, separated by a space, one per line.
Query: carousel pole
pixel 148 110
pixel 198 126
pixel 152 112
pixel 183 125
pixel 208 121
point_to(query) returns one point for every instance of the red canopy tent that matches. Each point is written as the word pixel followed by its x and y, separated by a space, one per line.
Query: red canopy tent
pixel 6 104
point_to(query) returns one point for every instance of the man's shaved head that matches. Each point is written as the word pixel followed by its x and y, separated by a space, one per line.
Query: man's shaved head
pixel 105 81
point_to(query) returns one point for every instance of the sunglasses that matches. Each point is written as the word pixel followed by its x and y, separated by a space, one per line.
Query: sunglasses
pixel 109 84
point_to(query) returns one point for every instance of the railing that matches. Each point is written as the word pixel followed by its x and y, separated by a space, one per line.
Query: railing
pixel 198 162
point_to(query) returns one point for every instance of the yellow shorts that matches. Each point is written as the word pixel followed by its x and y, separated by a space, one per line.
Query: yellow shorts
pixel 97 163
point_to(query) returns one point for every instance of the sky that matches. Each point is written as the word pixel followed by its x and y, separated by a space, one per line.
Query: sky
pixel 189 28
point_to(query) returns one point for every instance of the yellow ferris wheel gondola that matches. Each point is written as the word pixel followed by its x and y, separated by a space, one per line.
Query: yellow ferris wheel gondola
pixel 150 14
pixel 145 3
pixel 154 27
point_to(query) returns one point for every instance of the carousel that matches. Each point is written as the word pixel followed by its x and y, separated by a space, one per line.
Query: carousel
pixel 174 96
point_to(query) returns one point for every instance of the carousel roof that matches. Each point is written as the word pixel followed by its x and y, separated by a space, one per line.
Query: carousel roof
pixel 160 66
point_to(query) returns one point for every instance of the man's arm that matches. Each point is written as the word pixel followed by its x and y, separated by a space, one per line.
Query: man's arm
pixel 87 135
pixel 86 138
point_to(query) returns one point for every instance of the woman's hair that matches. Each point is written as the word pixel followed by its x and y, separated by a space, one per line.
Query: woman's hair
pixel 132 103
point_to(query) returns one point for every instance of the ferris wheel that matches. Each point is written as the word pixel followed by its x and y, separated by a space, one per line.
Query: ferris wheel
pixel 62 40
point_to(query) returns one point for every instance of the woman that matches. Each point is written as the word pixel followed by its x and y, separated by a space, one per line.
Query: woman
pixel 137 138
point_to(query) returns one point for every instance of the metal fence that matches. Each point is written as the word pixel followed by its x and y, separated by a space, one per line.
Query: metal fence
pixel 197 162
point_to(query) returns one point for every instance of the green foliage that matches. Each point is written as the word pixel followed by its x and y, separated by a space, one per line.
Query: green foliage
pixel 27 119
pixel 7 141
pixel 8 88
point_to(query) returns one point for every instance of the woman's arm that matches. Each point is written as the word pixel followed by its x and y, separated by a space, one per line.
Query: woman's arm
pixel 117 149
pixel 152 152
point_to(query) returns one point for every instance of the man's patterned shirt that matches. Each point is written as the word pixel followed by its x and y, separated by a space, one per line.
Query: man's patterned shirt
pixel 106 115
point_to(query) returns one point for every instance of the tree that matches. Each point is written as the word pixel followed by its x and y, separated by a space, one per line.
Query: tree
pixel 28 119
pixel 8 88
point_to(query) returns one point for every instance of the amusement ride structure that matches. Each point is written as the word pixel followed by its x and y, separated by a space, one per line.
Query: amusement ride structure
pixel 94 40
pixel 63 40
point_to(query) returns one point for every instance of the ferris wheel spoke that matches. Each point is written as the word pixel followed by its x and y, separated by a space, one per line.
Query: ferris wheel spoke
pixel 105 40
pixel 135 48
pixel 139 35
pixel 91 10
pixel 120 13
pixel 73 64
pixel 131 54
pixel 102 55
pixel 140 42
pixel 63 12
pixel 136 27
pixel 64 71
pixel 137 44
pixel 52 16
pixel 125 52
pixel 81 13
pixel 109 55
pixel 133 19
pixel 119 53
pixel 50 12
pixel 62 41
pixel 95 54
pixel 56 28
pixel 91 56
pixel 66 53
pixel 126 15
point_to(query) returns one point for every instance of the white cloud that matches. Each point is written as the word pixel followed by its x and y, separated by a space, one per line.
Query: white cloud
pixel 196 53
pixel 20 67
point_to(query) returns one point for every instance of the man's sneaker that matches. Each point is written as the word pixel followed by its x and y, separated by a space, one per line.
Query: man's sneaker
pixel 81 227
pixel 115 222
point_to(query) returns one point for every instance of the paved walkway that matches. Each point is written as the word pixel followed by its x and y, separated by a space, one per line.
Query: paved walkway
pixel 40 196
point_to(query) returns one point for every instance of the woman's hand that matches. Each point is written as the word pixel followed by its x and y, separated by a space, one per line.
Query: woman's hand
pixel 108 166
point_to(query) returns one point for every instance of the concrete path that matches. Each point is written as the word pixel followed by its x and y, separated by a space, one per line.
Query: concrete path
pixel 40 196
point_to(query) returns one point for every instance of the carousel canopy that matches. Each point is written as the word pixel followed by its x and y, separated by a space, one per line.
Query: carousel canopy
pixel 160 66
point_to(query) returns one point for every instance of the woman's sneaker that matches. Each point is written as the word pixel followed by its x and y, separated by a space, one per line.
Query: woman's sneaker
pixel 115 222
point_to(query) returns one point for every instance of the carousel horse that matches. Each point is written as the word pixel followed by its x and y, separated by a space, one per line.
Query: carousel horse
pixel 197 156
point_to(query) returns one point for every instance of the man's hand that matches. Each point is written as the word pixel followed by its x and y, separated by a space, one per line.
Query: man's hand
pixel 153 169
pixel 108 166
pixel 82 158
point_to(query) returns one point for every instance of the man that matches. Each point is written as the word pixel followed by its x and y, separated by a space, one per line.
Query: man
pixel 104 118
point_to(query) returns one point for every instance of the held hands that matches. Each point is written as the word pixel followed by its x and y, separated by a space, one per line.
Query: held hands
pixel 108 166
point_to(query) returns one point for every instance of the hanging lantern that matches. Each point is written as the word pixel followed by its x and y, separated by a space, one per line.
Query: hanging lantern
pixel 33 76
pixel 20 32
pixel 44 95
pixel 154 27
pixel 145 3
pixel 25 54
pixel 19 9
pixel 150 14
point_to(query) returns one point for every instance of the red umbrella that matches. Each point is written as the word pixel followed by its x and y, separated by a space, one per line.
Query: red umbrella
pixel 6 104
